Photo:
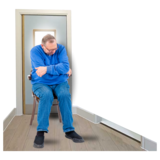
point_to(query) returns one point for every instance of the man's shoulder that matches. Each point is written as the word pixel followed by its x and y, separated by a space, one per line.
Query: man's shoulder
pixel 36 48
pixel 60 45
pixel 61 49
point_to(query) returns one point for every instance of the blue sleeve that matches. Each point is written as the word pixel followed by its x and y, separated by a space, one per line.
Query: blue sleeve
pixel 63 66
pixel 38 61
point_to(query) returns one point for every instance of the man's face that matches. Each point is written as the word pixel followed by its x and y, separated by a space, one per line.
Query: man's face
pixel 50 48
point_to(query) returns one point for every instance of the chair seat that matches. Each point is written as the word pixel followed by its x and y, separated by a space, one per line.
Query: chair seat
pixel 55 97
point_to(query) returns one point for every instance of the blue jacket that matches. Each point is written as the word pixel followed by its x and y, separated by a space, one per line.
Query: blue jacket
pixel 57 65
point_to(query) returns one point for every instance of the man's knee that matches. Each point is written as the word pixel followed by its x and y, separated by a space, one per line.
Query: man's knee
pixel 47 95
pixel 64 94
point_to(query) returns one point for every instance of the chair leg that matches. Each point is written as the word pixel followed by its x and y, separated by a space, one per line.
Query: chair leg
pixel 59 113
pixel 33 111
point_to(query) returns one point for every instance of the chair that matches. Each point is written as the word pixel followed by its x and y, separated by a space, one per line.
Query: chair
pixel 35 98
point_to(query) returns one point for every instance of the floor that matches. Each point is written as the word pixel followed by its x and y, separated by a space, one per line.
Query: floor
pixel 20 135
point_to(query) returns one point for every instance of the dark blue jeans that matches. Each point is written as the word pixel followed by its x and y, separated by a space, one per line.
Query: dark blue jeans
pixel 45 93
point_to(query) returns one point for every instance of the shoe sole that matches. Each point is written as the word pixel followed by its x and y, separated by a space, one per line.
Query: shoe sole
pixel 38 145
pixel 75 139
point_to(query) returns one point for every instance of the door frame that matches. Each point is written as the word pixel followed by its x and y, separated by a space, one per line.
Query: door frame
pixel 20 80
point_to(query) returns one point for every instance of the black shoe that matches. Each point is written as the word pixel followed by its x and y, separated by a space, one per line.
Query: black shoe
pixel 39 142
pixel 74 136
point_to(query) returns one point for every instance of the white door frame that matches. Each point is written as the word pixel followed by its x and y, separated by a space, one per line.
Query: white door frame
pixel 18 15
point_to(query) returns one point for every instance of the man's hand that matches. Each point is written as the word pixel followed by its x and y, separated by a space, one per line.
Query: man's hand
pixel 41 71
pixel 69 72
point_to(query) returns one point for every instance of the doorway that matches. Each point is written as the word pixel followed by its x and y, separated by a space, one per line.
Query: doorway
pixel 20 48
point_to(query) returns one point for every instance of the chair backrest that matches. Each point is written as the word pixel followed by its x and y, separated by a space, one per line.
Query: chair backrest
pixel 30 75
pixel 29 78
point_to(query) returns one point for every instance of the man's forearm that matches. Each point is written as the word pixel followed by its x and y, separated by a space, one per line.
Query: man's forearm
pixel 60 68
pixel 51 70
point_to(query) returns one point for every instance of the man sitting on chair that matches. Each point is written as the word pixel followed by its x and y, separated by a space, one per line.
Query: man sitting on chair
pixel 50 73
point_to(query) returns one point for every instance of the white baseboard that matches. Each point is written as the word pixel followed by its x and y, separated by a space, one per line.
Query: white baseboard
pixel 8 119
pixel 122 129
pixel 146 143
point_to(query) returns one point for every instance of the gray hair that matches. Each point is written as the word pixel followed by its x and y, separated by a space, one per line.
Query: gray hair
pixel 49 38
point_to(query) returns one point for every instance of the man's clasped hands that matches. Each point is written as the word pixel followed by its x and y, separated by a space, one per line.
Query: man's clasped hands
pixel 42 70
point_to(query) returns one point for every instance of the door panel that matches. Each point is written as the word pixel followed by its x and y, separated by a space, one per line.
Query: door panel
pixel 32 22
